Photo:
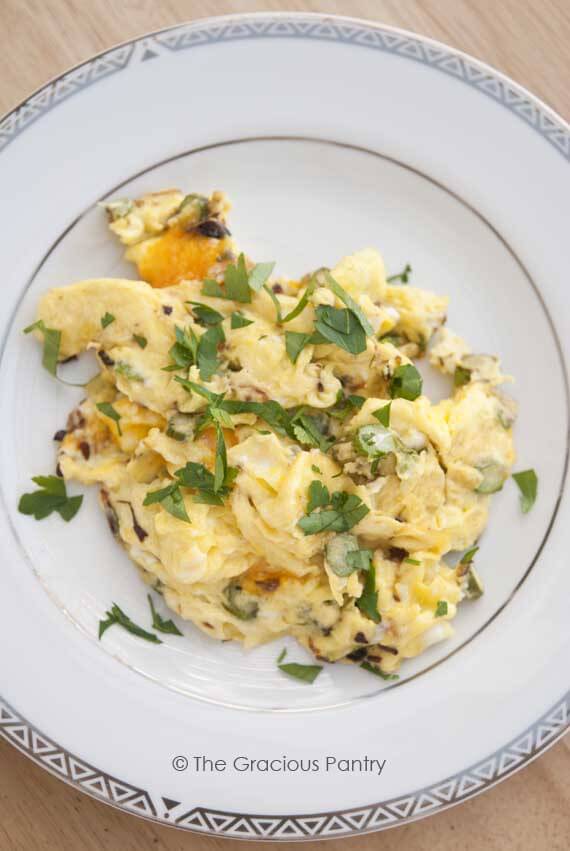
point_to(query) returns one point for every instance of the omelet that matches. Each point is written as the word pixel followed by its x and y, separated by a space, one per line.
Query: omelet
pixel 263 447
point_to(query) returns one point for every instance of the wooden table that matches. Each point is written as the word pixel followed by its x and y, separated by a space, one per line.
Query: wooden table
pixel 527 39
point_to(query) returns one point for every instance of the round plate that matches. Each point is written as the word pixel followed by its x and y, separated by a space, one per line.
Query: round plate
pixel 329 134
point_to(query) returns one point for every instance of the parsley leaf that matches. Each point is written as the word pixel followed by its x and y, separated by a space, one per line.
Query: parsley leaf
pixel 239 321
pixel 360 559
pixel 107 319
pixel 368 600
pixel 160 623
pixel 221 462
pixel 345 407
pixel 236 281
pixel 307 430
pixel 276 304
pixel 282 655
pixel 184 352
pixel 319 496
pixel 341 294
pixel 374 669
pixel 527 482
pixel 140 340
pixel 52 496
pixel 406 383
pixel 467 557
pixel 259 275
pixel 239 283
pixel 52 343
pixel 205 315
pixel 441 608
pixel 109 411
pixel 303 301
pixel 295 342
pixel 198 477
pixel 305 673
pixel 171 500
pixel 192 387
pixel 271 412
pixel 461 376
pixel 207 354
pixel 383 415
pixel 213 289
pixel 341 513
pixel 340 327
pixel 402 276
pixel 116 616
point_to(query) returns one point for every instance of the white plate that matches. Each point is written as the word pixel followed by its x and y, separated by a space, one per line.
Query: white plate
pixel 329 134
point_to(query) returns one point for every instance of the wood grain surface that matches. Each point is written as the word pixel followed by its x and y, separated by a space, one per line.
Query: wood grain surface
pixel 528 40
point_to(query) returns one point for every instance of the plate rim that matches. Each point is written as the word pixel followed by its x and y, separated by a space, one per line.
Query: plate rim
pixel 473 780
pixel 449 792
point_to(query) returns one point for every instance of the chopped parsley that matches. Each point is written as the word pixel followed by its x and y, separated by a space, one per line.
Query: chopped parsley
pixel 107 319
pixel 190 350
pixel 406 383
pixel 360 559
pixel 109 411
pixel 303 301
pixel 184 352
pixel 374 669
pixel 116 616
pixel 319 496
pixel 205 315
pixel 295 342
pixel 461 376
pixel 140 340
pixel 276 304
pixel 300 425
pixel 52 343
pixel 238 282
pixel 467 556
pixel 441 608
pixel 238 320
pixel 51 496
pixel 402 276
pixel 341 327
pixel 345 406
pixel 308 431
pixel 259 275
pixel 326 513
pixel 527 482
pixel 316 469
pixel 368 600
pixel 383 415
pixel 341 294
pixel 412 561
pixel 207 357
pixel 159 623
pixel 305 673
pixel 171 499
pixel 211 488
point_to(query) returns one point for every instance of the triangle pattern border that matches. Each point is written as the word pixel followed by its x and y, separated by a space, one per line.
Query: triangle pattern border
pixel 320 28
pixel 358 820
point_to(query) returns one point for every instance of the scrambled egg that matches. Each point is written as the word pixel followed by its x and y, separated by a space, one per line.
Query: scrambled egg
pixel 224 509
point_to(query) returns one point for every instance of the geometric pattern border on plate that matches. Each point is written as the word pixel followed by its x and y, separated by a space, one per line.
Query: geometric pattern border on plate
pixel 290 26
pixel 374 817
